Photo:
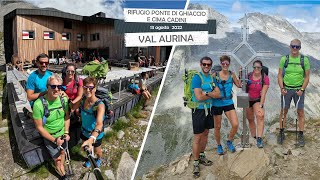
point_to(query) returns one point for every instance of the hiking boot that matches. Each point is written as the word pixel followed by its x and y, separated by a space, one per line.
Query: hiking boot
pixel 301 142
pixel 281 136
pixel 203 160
pixel 220 150
pixel 98 161
pixel 259 142
pixel 196 170
pixel 87 164
pixel 230 146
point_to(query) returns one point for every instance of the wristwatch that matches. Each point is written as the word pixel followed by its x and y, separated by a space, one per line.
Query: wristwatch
pixel 302 89
pixel 261 105
pixel 207 94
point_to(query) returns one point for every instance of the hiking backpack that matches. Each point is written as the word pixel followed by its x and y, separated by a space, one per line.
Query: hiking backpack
pixel 106 99
pixel 47 111
pixel 286 63
pixel 134 88
pixel 264 72
pixel 223 82
pixel 187 79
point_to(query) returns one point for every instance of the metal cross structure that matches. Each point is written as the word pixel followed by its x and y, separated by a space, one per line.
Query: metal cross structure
pixel 244 48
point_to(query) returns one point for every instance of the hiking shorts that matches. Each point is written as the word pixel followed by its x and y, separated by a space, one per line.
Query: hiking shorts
pixel 53 149
pixel 200 121
pixel 96 144
pixel 292 94
pixel 251 103
pixel 219 110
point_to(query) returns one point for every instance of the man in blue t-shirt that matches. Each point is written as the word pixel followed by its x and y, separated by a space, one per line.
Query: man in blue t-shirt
pixel 203 90
pixel 37 81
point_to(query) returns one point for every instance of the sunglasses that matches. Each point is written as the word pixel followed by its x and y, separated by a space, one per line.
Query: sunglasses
pixel 61 87
pixel 257 67
pixel 206 64
pixel 295 46
pixel 225 64
pixel 70 72
pixel 45 63
pixel 89 87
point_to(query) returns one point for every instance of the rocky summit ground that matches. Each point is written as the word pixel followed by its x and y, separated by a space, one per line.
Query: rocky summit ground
pixel 272 162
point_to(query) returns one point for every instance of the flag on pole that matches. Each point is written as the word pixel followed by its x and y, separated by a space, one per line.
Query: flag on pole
pixel 27 34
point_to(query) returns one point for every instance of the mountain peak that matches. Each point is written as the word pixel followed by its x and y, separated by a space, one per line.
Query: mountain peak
pixel 270 24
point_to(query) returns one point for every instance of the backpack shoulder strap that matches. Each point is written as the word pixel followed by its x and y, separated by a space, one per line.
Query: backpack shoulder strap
pixel 230 75
pixel 45 106
pixel 302 61
pixel 262 79
pixel 82 102
pixel 200 75
pixel 76 83
pixel 95 107
pixel 97 102
pixel 62 102
pixel 286 62
pixel 218 77
pixel 211 79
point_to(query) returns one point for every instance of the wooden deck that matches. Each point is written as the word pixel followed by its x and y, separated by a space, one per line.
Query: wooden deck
pixel 29 141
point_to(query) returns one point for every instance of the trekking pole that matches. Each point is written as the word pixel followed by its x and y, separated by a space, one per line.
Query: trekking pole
pixel 95 168
pixel 297 122
pixel 282 121
pixel 69 172
pixel 283 105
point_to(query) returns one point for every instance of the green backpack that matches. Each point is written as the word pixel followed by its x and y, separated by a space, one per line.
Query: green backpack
pixel 96 70
pixel 187 79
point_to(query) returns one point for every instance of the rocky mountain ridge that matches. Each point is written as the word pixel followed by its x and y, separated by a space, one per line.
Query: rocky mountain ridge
pixel 170 134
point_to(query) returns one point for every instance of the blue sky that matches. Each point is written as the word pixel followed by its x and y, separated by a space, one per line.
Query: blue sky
pixel 304 15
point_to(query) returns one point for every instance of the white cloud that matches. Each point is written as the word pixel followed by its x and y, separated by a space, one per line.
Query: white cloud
pixel 297 20
pixel 84 7
pixel 236 6
pixel 307 24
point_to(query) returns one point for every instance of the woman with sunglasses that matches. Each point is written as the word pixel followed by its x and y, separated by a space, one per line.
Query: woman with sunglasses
pixel 225 79
pixel 257 88
pixel 92 115
pixel 73 85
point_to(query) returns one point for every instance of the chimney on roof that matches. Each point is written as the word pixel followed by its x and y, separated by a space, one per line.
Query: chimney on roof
pixel 99 14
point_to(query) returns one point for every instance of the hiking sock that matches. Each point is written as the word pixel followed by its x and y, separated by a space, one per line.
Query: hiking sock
pixel 281 130
pixel 202 155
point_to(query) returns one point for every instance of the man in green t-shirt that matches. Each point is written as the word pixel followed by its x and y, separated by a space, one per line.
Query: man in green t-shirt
pixel 54 124
pixel 293 78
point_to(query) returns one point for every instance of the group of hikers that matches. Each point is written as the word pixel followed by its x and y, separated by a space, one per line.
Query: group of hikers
pixel 61 103
pixel 212 95
pixel 55 100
